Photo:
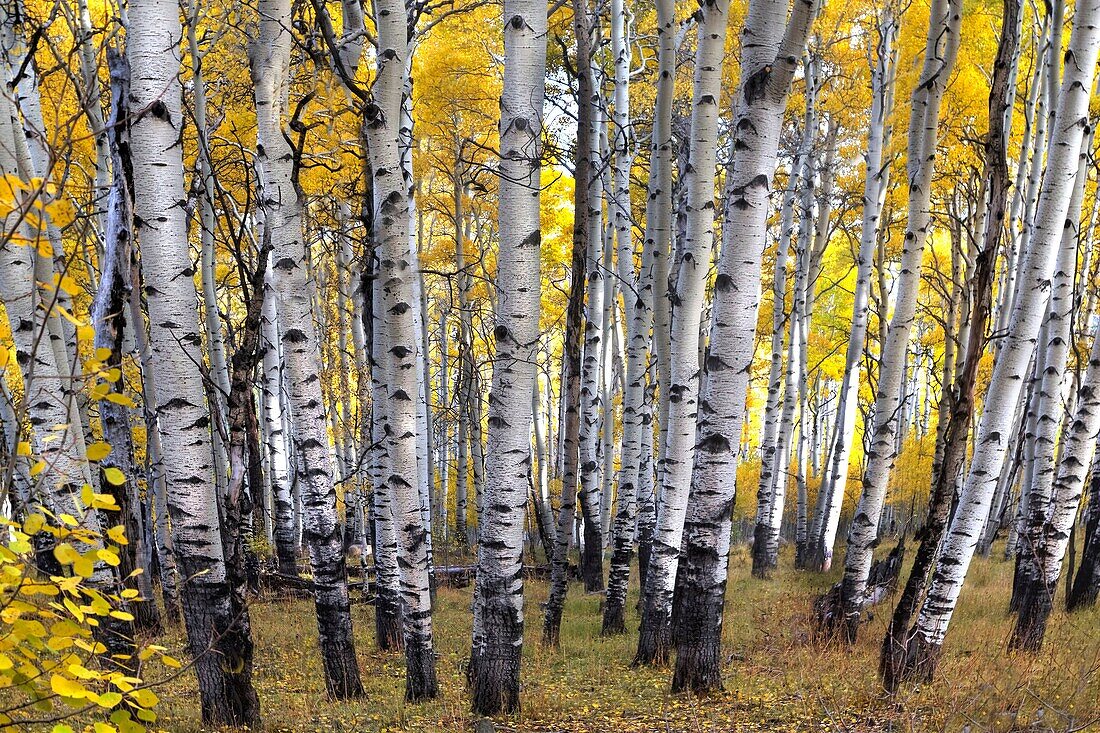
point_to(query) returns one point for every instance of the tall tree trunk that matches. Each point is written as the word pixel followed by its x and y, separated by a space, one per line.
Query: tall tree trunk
pixel 216 633
pixel 957 402
pixel 941 50
pixel 109 319
pixel 281 208
pixel 1056 338
pixel 400 391
pixel 1078 449
pixel 768 65
pixel 588 494
pixel 637 416
pixel 572 394
pixel 875 184
pixel 498 591
pixel 693 263
pixel 1009 371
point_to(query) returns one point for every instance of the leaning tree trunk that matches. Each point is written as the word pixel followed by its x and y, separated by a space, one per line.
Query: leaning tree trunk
pixel 957 403
pixel 693 263
pixel 214 627
pixel 1078 449
pixel 280 205
pixel 769 64
pixel 498 592
pixel 941 50
pixel 1009 371
pixel 401 387
pixel 1056 338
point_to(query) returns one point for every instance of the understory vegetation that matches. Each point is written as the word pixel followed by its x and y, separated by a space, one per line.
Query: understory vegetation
pixel 778 678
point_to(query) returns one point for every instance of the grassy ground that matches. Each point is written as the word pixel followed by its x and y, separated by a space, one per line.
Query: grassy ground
pixel 775 677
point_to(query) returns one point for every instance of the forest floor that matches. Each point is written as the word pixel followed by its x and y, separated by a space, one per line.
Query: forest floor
pixel 776 677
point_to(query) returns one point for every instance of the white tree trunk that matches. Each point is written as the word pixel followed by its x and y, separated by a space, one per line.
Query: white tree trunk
pixel 498 590
pixel 875 184
pixel 768 65
pixel 294 287
pixel 400 393
pixel 153 41
pixel 1077 452
pixel 1009 371
pixel 941 50
pixel 693 263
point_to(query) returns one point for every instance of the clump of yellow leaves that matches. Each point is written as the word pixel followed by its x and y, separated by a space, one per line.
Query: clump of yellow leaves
pixel 52 668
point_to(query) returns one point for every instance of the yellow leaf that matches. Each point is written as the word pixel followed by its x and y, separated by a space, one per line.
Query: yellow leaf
pixel 108 557
pixel 114 476
pixel 65 553
pixel 83 566
pixel 23 449
pixel 33 523
pixel 118 535
pixel 120 399
pixel 85 333
pixel 66 687
pixel 108 699
pixel 145 698
pixel 98 451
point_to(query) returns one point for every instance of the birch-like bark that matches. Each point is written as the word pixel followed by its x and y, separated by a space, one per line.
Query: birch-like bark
pixel 941 50
pixel 498 591
pixel 637 295
pixel 215 344
pixel 768 65
pixel 108 316
pixel 693 263
pixel 400 390
pixel 271 386
pixel 215 640
pixel 771 497
pixel 1077 451
pixel 388 609
pixel 572 396
pixel 776 372
pixel 1071 120
pixel 1056 337
pixel 956 407
pixel 875 184
pixel 591 364
pixel 292 282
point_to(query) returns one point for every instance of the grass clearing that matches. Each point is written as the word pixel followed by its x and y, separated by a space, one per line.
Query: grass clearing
pixel 776 677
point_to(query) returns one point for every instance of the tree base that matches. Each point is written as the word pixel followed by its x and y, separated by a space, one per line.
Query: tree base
pixel 420 678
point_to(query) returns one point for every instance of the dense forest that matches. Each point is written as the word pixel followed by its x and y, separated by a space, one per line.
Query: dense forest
pixel 603 365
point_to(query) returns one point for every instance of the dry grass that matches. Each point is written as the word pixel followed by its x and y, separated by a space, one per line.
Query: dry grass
pixel 775 679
